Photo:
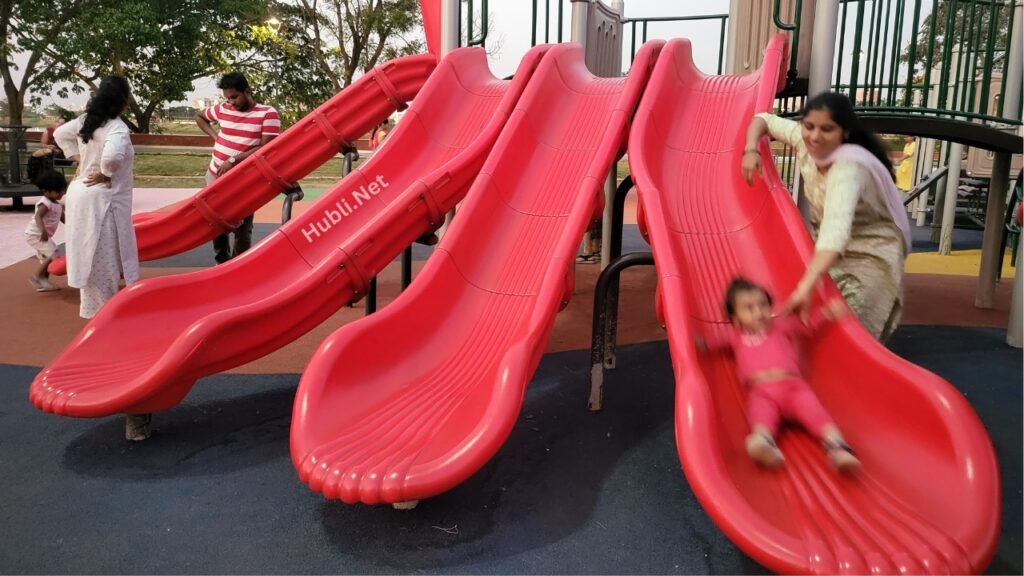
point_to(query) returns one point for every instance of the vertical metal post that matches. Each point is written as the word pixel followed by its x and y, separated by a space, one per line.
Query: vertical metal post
pixel 940 193
pixel 580 13
pixel 1014 328
pixel 949 208
pixel 406 267
pixel 1000 181
pixel 450 40
pixel 450 16
pixel 730 49
pixel 371 297
pixel 823 44
pixel 928 168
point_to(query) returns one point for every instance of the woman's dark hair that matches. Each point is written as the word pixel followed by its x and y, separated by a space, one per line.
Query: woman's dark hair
pixel 740 284
pixel 841 110
pixel 107 103
pixel 233 81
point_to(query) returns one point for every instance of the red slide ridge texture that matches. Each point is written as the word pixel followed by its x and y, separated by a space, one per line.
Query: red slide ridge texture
pixel 148 345
pixel 412 400
pixel 291 156
pixel 927 499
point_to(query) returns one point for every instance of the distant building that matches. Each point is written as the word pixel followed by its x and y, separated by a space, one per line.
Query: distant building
pixel 204 103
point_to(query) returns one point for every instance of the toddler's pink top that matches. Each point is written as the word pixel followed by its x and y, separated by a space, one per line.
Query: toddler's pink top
pixel 775 350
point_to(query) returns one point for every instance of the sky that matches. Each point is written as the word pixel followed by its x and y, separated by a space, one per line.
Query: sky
pixel 511 21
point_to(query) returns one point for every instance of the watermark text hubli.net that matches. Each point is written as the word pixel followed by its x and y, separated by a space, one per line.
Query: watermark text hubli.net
pixel 343 208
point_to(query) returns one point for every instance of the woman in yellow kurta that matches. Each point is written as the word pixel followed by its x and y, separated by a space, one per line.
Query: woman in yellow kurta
pixel 862 231
pixel 905 172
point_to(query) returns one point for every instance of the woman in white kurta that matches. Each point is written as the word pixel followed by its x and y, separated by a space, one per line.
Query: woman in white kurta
pixel 100 244
pixel 861 228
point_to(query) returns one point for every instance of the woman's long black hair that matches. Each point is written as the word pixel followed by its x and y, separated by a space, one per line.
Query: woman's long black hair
pixel 841 110
pixel 108 103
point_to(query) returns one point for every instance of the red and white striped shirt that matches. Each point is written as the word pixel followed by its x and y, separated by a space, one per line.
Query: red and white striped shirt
pixel 240 131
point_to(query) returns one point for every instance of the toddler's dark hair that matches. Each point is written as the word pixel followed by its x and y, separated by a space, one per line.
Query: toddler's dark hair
pixel 741 284
pixel 51 181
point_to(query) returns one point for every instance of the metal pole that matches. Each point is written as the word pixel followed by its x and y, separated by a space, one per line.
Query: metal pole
pixel 612 180
pixel 730 49
pixel 929 161
pixel 406 267
pixel 823 50
pixel 578 33
pixel 1000 181
pixel 450 17
pixel 1014 328
pixel 580 13
pixel 992 241
pixel 949 207
pixel 451 38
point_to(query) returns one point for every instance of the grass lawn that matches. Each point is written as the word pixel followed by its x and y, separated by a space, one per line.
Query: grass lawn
pixel 187 171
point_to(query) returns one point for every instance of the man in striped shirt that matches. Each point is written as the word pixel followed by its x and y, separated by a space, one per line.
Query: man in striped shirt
pixel 244 127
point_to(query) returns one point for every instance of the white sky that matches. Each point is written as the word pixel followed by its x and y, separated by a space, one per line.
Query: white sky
pixel 512 18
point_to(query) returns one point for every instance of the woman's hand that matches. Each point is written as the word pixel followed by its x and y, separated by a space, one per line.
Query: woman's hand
pixel 799 302
pixel 750 166
pixel 97 177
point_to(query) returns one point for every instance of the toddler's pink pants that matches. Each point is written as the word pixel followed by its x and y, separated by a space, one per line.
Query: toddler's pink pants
pixel 768 403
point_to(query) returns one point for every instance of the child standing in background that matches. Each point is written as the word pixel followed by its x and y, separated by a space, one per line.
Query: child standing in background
pixel 43 225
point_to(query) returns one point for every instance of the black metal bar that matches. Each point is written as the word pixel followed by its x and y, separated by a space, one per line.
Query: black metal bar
pixel 842 41
pixel 1010 209
pixel 912 61
pixel 933 179
pixel 618 214
pixel 947 54
pixel 993 17
pixel 721 48
pixel 533 34
pixel 612 296
pixel 292 196
pixel 930 57
pixel 406 267
pixel 632 55
pixel 371 297
pixel 858 35
pixel 547 21
pixel 1006 59
pixel 561 3
pixel 598 345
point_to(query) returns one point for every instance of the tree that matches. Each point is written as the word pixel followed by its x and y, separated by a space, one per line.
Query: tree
pixel 160 46
pixel 29 28
pixel 315 48
pixel 976 25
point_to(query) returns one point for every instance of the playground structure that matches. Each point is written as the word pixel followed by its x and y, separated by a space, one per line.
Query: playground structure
pixel 490 349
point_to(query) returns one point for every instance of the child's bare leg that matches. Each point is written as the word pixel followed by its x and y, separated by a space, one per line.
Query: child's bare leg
pixel 839 452
pixel 43 273
pixel 762 449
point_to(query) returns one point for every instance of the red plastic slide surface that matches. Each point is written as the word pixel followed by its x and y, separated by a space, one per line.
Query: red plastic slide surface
pixel 927 498
pixel 411 401
pixel 291 156
pixel 149 344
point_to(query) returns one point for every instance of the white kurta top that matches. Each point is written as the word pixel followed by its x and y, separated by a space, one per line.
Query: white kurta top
pixel 111 152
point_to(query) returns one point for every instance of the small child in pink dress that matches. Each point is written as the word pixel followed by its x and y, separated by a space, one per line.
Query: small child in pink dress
pixel 768 363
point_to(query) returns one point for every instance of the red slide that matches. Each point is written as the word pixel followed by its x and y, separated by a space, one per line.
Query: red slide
pixel 291 156
pixel 411 401
pixel 148 345
pixel 927 498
